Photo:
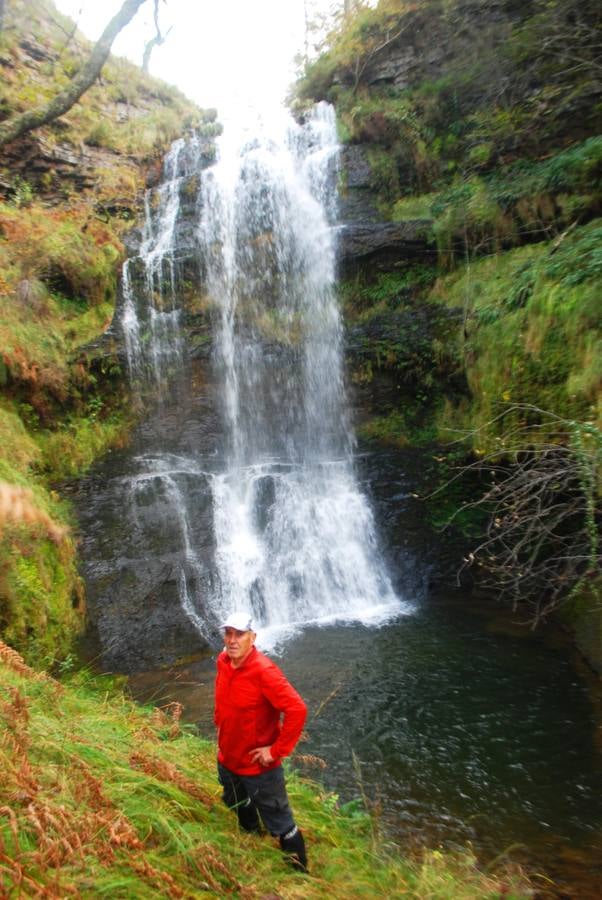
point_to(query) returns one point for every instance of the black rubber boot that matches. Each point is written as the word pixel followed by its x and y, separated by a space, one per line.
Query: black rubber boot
pixel 247 816
pixel 293 845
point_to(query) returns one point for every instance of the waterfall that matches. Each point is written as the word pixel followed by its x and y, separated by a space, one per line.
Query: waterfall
pixel 295 536
pixel 261 510
pixel 150 316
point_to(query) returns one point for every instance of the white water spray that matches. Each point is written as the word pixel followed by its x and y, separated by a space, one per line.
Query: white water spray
pixel 295 536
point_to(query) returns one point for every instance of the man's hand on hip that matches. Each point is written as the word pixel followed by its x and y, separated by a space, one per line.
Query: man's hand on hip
pixel 262 756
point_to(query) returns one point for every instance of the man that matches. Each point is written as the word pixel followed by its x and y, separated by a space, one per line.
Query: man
pixel 251 696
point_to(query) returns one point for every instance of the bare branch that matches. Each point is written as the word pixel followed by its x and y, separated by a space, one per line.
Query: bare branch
pixel 155 41
pixel 542 541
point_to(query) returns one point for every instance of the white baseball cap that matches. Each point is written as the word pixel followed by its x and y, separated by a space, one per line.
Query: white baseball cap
pixel 241 621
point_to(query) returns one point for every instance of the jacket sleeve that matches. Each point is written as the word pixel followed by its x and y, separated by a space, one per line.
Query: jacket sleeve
pixel 283 697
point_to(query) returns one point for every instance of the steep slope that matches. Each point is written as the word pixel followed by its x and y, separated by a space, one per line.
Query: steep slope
pixel 103 798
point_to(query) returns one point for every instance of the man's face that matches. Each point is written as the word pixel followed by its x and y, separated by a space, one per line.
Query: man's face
pixel 238 644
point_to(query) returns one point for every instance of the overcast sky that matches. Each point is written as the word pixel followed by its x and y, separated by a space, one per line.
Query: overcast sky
pixel 218 52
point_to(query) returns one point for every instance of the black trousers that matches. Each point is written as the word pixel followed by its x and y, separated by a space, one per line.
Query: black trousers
pixel 264 794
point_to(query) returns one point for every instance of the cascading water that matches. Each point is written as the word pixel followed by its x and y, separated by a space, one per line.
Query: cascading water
pixel 263 511
pixel 295 537
pixel 150 321
pixel 150 318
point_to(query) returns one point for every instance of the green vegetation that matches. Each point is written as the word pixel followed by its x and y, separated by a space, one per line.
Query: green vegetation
pixel 483 121
pixel 68 192
pixel 531 332
pixel 494 143
pixel 103 798
pixel 478 89
pixel 40 589
pixel 518 327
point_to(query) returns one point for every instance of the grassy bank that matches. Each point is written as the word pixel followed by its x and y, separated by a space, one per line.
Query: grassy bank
pixel 530 332
pixel 102 798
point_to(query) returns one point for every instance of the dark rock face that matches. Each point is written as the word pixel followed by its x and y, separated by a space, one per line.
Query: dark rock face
pixel 135 518
pixel 401 66
pixel 382 242
pixel 185 237
pixel 421 49
pixel 363 237
pixel 356 200
pixel 358 173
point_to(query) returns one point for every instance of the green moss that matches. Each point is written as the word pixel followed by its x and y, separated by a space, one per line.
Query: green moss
pixel 40 595
pixel 69 451
pixel 40 589
pixel 532 330
pixel 369 294
pixel 385 178
pixel 413 207
pixel 402 427
pixel 19 450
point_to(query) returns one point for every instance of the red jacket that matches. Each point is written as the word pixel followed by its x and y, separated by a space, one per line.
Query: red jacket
pixel 248 704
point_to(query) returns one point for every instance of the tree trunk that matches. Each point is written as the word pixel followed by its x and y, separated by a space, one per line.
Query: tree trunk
pixel 84 79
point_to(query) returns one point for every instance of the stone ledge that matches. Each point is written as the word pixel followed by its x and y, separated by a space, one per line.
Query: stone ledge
pixel 359 240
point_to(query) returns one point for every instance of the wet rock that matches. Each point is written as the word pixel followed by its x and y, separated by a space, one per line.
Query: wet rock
pixel 139 620
pixel 385 241
pixel 363 236
pixel 358 173
pixel 357 197
pixel 145 595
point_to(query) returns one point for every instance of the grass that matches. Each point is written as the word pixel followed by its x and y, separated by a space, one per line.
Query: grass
pixel 414 206
pixel 532 326
pixel 69 451
pixel 103 798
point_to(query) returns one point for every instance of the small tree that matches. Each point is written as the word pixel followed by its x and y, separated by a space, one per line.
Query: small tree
pixel 31 119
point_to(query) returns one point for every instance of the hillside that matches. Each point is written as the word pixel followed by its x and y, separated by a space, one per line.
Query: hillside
pixel 68 194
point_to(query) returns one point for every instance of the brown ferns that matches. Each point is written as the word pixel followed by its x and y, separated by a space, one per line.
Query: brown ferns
pixel 164 771
pixel 17 505
pixel 170 714
pixel 162 881
pixel 15 661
